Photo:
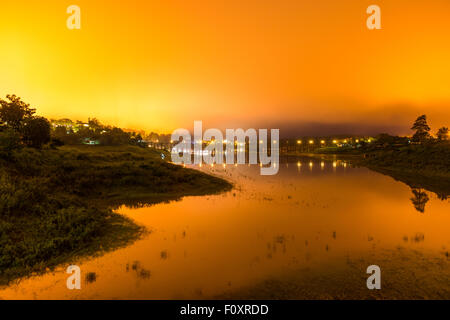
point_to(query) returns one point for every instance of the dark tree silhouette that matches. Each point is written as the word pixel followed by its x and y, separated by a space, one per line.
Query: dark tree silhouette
pixel 442 134
pixel 36 132
pixel 14 112
pixel 96 127
pixel 422 133
pixel 60 132
pixel 419 200
pixel 9 141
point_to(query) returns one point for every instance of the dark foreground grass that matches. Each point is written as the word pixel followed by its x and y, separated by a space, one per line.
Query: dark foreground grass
pixel 57 205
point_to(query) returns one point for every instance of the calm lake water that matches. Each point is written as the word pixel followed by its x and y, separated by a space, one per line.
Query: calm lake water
pixel 315 216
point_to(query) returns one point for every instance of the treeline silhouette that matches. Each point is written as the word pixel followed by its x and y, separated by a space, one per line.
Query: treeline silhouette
pixel 19 126
pixel 422 161
pixel 93 132
pixel 385 142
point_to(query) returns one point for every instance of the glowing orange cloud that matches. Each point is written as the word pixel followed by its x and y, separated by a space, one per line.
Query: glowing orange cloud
pixel 163 64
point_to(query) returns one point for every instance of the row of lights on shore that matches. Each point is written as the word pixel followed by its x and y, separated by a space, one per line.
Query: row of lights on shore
pixel 299 142
pixel 225 142
pixel 334 141
pixel 275 142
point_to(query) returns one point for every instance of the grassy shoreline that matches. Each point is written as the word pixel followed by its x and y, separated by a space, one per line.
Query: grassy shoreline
pixel 429 180
pixel 56 205
pixel 419 166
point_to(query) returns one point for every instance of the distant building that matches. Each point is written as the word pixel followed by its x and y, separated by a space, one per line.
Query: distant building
pixel 91 142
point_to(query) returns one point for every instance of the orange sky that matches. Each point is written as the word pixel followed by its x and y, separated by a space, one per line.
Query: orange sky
pixel 160 65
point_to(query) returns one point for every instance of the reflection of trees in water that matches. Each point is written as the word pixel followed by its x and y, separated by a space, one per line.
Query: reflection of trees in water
pixel 139 204
pixel 442 196
pixel 419 199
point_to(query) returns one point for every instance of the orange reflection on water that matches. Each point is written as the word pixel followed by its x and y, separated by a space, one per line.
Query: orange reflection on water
pixel 202 246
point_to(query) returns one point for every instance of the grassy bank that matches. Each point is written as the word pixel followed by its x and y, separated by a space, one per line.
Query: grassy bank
pixel 56 205
pixel 420 166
